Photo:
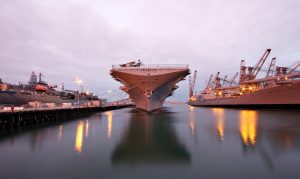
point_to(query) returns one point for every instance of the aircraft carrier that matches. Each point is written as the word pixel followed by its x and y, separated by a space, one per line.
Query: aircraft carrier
pixel 279 87
pixel 149 85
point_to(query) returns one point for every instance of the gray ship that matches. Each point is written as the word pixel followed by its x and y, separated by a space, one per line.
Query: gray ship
pixel 149 85
pixel 36 90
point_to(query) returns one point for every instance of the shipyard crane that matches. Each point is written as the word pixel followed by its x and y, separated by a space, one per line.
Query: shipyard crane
pixel 192 84
pixel 231 81
pixel 260 63
pixel 294 67
pixel 217 80
pixel 216 77
pixel 271 67
pixel 224 80
pixel 209 81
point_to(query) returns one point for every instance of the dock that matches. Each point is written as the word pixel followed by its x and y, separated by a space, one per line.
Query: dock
pixel 14 119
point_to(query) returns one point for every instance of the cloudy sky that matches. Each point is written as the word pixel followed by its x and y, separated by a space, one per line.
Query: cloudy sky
pixel 65 39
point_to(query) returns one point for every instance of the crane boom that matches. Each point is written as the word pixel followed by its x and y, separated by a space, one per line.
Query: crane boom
pixel 271 67
pixel 233 78
pixel 216 76
pixel 260 63
pixel 296 65
pixel 224 80
pixel 209 81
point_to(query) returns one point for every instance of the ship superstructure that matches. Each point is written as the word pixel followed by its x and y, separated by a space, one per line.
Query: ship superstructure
pixel 278 88
pixel 149 85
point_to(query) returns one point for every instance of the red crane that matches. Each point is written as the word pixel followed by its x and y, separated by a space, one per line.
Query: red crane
pixel 230 82
pixel 294 67
pixel 260 63
pixel 271 67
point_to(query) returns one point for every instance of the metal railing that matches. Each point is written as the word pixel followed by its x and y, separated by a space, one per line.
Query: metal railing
pixel 153 66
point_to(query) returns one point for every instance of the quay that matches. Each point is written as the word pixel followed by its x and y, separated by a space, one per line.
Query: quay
pixel 13 119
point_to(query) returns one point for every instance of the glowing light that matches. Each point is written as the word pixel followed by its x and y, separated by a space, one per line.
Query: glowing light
pixel 191 108
pixel 109 123
pixel 248 126
pixel 193 99
pixel 79 137
pixel 78 81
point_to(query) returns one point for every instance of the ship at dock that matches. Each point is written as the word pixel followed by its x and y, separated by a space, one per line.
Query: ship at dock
pixel 149 85
pixel 278 87
pixel 37 90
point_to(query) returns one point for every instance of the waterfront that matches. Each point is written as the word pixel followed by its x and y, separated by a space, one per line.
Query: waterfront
pixel 178 141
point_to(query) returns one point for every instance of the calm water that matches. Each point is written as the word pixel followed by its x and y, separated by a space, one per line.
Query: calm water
pixel 176 142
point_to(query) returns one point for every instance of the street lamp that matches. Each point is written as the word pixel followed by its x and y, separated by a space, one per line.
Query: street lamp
pixel 78 82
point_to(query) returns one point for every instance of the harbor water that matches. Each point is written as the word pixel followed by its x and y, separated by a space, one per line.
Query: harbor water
pixel 178 141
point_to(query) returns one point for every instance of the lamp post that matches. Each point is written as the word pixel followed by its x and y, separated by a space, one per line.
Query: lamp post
pixel 78 82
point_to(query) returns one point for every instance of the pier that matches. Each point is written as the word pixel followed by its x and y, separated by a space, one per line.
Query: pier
pixel 12 119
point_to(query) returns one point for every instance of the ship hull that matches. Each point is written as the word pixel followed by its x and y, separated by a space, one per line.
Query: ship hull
pixel 286 96
pixel 22 99
pixel 149 88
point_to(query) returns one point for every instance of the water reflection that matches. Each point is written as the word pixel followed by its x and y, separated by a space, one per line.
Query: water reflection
pixel 109 115
pixel 60 133
pixel 79 137
pixel 39 137
pixel 192 120
pixel 219 113
pixel 87 129
pixel 161 145
pixel 248 126
pixel 82 128
pixel 150 138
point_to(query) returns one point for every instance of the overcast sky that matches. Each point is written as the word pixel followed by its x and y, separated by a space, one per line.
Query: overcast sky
pixel 65 39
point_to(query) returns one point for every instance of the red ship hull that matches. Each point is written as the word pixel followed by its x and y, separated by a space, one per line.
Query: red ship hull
pixel 285 96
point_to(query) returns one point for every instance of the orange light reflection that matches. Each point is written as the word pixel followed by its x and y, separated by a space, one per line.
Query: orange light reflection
pixel 192 123
pixel 219 112
pixel 87 129
pixel 109 123
pixel 79 137
pixel 248 126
